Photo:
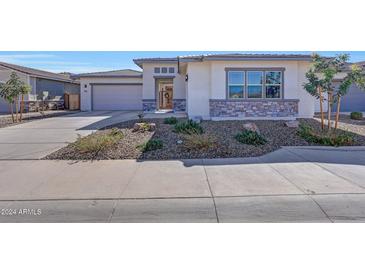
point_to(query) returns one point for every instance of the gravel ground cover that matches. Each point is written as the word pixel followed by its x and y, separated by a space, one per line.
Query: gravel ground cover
pixel 6 121
pixel 221 132
pixel 354 127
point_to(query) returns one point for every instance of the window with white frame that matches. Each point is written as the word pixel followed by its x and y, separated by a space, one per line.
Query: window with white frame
pixel 254 84
pixel 236 84
pixel 273 83
pixel 163 70
pixel 157 70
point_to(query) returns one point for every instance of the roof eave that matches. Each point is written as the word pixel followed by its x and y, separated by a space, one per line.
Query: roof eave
pixel 110 76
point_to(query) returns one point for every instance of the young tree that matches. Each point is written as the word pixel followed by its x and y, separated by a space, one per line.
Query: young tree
pixel 11 91
pixel 320 80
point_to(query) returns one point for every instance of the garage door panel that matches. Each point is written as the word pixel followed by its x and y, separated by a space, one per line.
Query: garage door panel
pixel 117 97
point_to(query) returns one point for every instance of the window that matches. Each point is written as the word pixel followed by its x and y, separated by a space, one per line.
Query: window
pixel 157 70
pixel 171 70
pixel 254 84
pixel 273 84
pixel 236 84
pixel 164 70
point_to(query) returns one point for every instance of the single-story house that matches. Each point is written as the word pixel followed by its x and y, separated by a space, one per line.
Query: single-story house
pixel 56 84
pixel 220 86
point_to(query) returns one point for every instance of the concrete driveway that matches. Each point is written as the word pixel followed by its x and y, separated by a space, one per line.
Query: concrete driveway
pixel 288 185
pixel 37 139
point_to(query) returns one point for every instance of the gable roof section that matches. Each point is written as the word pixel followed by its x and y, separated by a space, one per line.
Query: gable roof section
pixel 123 73
pixel 225 57
pixel 38 73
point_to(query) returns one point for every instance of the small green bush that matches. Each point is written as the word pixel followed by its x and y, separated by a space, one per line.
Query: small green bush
pixel 170 120
pixel 356 115
pixel 188 127
pixel 151 145
pixel 326 139
pixel 198 142
pixel 98 141
pixel 250 137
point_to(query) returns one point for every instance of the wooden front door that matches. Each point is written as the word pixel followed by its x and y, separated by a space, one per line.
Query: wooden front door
pixel 165 95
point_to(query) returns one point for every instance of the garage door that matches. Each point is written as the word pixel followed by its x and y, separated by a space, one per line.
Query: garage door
pixel 117 97
pixel 354 100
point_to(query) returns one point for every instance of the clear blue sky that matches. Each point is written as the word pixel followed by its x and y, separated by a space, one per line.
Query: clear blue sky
pixel 87 61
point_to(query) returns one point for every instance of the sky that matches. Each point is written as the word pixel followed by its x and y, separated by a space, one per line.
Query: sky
pixel 88 61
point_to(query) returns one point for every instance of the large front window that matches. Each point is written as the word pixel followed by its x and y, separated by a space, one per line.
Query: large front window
pixel 236 84
pixel 273 84
pixel 255 84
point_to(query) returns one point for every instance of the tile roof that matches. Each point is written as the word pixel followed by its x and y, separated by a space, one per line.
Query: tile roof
pixel 38 73
pixel 113 73
pixel 226 56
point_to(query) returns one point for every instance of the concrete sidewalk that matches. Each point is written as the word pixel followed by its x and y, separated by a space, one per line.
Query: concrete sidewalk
pixel 288 185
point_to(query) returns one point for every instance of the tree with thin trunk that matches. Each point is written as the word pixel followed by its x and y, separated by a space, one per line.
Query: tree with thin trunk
pixel 11 91
pixel 320 81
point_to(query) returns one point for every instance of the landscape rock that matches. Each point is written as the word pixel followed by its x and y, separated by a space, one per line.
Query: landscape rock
pixel 197 119
pixel 144 127
pixel 252 127
pixel 292 123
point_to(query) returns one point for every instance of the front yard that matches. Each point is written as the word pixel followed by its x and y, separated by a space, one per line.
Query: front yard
pixel 216 140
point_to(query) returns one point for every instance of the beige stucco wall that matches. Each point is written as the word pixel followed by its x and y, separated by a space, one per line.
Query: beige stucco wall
pixel 207 80
pixel 149 85
pixel 199 89
pixel 85 87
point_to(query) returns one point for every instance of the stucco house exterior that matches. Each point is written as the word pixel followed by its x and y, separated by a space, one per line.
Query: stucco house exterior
pixel 220 86
pixel 54 83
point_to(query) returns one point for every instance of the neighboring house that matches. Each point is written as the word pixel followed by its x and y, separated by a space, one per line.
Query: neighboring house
pixel 354 100
pixel 221 86
pixel 55 84
pixel 111 90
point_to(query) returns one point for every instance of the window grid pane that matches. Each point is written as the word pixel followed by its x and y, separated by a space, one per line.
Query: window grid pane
pixel 255 84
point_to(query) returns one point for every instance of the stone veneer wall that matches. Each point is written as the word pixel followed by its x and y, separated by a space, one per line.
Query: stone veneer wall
pixel 179 104
pixel 150 105
pixel 254 108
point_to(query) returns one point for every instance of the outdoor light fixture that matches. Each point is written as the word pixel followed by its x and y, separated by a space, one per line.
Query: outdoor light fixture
pixel 186 78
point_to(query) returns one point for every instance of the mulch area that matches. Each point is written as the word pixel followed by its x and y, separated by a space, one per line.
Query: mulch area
pixel 223 132
pixel 6 121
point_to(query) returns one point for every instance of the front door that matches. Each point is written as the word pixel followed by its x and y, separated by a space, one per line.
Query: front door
pixel 165 94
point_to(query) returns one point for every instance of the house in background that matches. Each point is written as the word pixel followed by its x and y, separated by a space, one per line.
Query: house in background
pixel 55 84
pixel 220 86
pixel 354 100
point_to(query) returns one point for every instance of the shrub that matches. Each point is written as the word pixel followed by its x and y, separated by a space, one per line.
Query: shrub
pixel 250 137
pixel 151 145
pixel 188 127
pixel 96 142
pixel 170 120
pixel 326 138
pixel 140 117
pixel 198 141
pixel 356 115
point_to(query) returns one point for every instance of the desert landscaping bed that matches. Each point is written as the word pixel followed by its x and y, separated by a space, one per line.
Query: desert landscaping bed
pixel 220 135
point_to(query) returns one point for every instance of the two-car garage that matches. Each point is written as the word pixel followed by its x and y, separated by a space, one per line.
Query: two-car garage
pixel 111 90
pixel 116 96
